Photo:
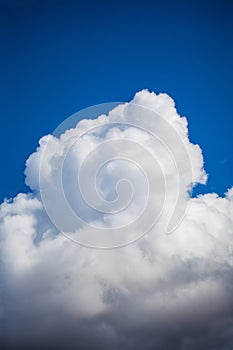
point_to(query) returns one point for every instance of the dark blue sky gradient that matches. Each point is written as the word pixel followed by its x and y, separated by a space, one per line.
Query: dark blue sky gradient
pixel 58 57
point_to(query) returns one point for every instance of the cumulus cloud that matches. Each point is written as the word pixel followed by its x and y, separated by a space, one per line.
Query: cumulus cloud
pixel 163 291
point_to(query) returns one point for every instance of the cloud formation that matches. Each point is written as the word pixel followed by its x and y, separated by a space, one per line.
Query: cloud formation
pixel 160 292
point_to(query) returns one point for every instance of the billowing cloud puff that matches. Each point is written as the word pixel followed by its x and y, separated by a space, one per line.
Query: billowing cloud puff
pixel 162 291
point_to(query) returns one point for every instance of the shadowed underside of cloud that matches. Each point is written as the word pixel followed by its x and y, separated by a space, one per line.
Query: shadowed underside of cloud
pixel 161 292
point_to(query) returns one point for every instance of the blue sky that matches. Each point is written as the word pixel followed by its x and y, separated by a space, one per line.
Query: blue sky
pixel 61 56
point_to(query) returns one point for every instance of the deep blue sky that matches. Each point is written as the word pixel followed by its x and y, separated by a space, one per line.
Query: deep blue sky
pixel 58 57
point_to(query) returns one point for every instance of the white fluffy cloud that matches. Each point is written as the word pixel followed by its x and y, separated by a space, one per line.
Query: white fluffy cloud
pixel 160 292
